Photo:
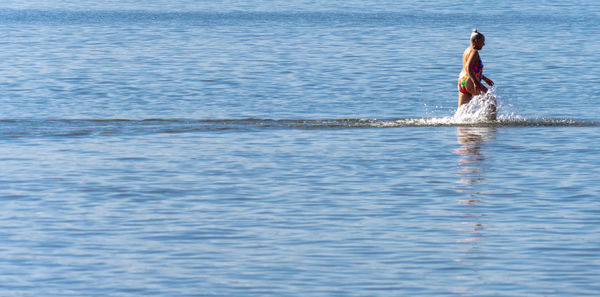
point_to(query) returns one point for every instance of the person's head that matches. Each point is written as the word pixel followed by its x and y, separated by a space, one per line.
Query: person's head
pixel 477 39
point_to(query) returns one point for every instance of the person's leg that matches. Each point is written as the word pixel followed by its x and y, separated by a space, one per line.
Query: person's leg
pixel 493 112
pixel 464 98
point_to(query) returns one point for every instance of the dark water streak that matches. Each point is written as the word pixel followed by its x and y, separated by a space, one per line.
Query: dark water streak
pixel 112 127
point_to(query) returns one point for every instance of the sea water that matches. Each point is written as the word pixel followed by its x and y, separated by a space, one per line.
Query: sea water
pixel 259 148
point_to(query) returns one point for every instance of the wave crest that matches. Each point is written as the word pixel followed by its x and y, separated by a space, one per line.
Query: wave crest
pixel 112 127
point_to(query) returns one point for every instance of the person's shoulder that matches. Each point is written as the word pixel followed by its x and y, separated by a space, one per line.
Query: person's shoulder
pixel 467 53
pixel 472 55
pixel 470 51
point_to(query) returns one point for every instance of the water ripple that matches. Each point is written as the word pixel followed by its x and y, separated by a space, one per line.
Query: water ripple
pixel 109 127
pixel 59 16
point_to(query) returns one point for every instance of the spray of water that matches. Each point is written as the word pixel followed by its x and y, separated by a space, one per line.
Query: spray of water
pixel 489 109
pixel 482 108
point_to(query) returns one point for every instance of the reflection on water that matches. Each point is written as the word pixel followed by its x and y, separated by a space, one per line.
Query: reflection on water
pixel 471 162
pixel 472 169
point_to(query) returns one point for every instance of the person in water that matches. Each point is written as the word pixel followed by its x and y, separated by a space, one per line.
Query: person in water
pixel 469 81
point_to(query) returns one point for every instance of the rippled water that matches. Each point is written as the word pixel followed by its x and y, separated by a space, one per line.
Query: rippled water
pixel 302 149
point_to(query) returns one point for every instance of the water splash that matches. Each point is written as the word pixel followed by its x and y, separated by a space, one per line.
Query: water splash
pixel 481 109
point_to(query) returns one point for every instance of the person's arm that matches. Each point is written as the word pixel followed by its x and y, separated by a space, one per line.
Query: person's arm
pixel 473 59
pixel 487 80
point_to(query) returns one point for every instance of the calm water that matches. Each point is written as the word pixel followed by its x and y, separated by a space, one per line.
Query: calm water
pixel 252 148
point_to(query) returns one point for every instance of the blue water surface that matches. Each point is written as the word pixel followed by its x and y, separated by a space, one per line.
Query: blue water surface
pixel 261 148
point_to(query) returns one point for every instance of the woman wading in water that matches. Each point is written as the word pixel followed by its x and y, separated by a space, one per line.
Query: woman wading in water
pixel 469 82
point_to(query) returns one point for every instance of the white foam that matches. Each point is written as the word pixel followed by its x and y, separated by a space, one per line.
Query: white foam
pixel 481 108
pixel 479 112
